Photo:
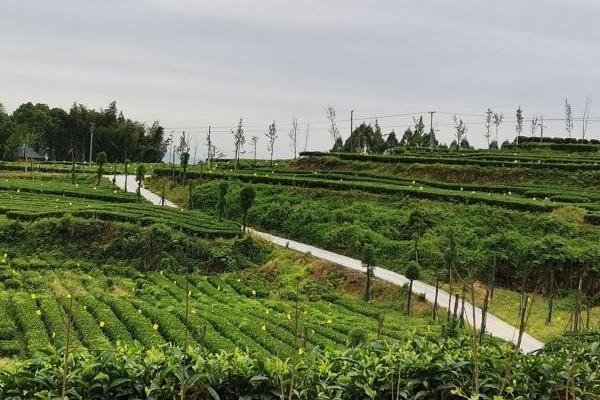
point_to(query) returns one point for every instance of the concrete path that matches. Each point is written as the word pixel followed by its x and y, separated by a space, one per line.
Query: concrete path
pixel 132 187
pixel 495 326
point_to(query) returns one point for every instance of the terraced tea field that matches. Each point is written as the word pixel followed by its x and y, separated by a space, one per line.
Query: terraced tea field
pixel 23 199
pixel 224 312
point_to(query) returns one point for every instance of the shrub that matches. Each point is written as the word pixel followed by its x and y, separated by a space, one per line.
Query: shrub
pixel 357 337
pixel 571 341
pixel 12 283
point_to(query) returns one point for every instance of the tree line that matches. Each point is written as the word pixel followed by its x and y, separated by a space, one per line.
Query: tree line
pixel 60 135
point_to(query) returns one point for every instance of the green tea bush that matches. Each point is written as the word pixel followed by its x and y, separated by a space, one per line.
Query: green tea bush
pixel 417 367
pixel 358 336
pixel 12 283
pixel 8 328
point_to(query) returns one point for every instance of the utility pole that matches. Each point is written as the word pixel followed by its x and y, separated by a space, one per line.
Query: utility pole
pixel 92 127
pixel 351 124
pixel 431 129
pixel 209 155
pixel 306 137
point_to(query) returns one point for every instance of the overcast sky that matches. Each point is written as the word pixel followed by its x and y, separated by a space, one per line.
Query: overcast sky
pixel 193 63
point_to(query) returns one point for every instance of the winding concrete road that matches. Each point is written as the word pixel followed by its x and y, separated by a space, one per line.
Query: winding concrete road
pixel 495 326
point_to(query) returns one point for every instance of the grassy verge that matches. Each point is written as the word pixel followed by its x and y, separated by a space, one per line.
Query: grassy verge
pixel 505 305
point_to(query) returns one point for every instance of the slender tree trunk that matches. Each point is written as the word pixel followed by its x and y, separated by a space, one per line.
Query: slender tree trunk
pixel 125 188
pixel 484 311
pixel 368 294
pixel 462 308
pixel 456 300
pixel 449 291
pixel 577 315
pixel 551 297
pixel 493 277
pixel 435 301
pixel 522 293
pixel 475 343
pixel 417 251
pixel 408 300
pixel 72 163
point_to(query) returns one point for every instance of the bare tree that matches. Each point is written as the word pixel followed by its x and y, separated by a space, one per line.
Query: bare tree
pixel 586 116
pixel 488 124
pixel 333 129
pixel 212 153
pixel 195 152
pixel 534 125
pixel 568 118
pixel 294 136
pixel 542 126
pixel 461 130
pixel 272 136
pixel 254 141
pixel 497 122
pixel 519 126
pixel 239 139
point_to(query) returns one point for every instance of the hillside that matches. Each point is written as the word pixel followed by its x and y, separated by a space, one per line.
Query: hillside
pixel 537 236
pixel 160 302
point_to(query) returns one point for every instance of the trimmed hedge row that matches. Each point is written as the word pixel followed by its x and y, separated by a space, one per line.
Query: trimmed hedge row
pixel 89 330
pixel 139 327
pixel 568 196
pixel 169 325
pixel 55 320
pixel 113 327
pixel 8 329
pixel 30 322
pixel 67 190
pixel 382 188
pixel 455 161
pixel 28 207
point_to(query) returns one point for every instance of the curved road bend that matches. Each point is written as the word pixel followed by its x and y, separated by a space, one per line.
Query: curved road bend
pixel 495 326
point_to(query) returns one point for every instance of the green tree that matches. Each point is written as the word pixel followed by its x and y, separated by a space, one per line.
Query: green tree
pixel 221 199
pixel 489 114
pixel 363 139
pixel 419 138
pixel 519 125
pixel 461 131
pixel 239 139
pixel 450 258
pixel 417 224
pixel 246 200
pixel 100 160
pixel 140 174
pixel 21 140
pixel 497 247
pixel 184 161
pixel 412 274
pixel 550 253
pixel 271 136
pixel 392 141
pixel 368 262
pixel 338 145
